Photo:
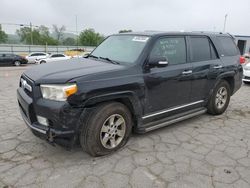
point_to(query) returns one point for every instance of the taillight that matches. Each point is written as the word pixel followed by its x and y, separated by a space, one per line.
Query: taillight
pixel 242 60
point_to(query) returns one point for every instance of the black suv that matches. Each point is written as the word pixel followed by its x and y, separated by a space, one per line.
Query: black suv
pixel 140 81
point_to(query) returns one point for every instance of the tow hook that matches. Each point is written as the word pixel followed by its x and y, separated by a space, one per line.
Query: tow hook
pixel 50 137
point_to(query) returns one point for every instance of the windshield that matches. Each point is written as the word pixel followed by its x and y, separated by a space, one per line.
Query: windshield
pixel 121 48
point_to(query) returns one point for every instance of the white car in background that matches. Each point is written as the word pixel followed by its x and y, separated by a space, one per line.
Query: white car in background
pixel 36 55
pixel 52 58
pixel 246 72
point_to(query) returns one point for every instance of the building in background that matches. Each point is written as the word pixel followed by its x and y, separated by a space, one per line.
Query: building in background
pixel 243 43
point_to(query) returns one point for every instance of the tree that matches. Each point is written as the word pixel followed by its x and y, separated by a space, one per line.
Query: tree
pixel 40 36
pixel 69 41
pixel 44 30
pixel 59 31
pixel 25 35
pixel 89 37
pixel 3 36
pixel 125 31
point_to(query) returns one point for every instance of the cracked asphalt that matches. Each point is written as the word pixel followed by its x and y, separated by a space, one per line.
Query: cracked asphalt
pixel 205 151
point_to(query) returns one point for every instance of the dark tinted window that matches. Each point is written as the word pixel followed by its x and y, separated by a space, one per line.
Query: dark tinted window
pixel 173 48
pixel 60 55
pixel 55 55
pixel 201 48
pixel 9 55
pixel 228 45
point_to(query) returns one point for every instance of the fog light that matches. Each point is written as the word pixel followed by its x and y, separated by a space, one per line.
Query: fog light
pixel 42 120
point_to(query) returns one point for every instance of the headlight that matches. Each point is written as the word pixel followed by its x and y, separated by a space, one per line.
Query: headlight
pixel 58 92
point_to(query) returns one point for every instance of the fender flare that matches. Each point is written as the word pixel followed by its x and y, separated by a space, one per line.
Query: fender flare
pixel 116 96
pixel 230 74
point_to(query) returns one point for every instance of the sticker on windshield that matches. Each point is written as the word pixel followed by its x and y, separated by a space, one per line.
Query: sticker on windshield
pixel 140 39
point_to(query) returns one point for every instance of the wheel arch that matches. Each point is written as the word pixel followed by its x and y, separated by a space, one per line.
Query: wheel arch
pixel 129 99
pixel 229 78
pixel 230 81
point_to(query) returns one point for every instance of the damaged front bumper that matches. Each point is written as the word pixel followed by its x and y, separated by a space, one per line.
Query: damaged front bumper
pixel 63 120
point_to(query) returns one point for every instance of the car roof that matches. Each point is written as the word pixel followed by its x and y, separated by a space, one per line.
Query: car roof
pixel 163 33
pixel 38 52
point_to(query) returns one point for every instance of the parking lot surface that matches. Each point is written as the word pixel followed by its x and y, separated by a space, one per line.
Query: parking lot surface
pixel 205 151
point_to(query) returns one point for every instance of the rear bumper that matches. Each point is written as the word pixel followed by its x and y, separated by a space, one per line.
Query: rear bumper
pixel 62 125
pixel 246 76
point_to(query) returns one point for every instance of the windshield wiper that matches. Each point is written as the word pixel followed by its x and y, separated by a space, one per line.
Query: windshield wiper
pixel 93 56
pixel 109 60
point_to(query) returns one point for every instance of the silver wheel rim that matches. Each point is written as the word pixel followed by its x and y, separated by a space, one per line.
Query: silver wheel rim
pixel 17 63
pixel 112 131
pixel 221 97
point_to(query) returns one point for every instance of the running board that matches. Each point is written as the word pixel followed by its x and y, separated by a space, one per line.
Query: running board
pixel 175 120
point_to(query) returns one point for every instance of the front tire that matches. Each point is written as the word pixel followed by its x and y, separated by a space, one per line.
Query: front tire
pixel 106 129
pixel 219 99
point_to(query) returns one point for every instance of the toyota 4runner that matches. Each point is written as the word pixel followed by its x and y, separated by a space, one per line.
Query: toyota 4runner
pixel 133 81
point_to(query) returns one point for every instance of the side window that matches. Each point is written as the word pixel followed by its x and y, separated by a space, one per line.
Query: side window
pixel 53 56
pixel 9 55
pixel 173 48
pixel 228 45
pixel 60 55
pixel 200 47
pixel 35 54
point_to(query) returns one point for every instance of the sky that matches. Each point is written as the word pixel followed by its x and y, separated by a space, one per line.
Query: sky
pixel 110 16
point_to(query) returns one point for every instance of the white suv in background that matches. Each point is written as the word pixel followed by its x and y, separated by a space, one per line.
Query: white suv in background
pixel 52 58
pixel 36 55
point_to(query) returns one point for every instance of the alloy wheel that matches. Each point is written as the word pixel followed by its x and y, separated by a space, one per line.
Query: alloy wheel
pixel 113 131
pixel 17 63
pixel 221 97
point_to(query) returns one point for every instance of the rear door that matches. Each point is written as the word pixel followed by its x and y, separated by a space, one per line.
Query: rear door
pixel 8 59
pixel 206 66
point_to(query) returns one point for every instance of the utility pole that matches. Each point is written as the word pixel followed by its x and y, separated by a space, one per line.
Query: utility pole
pixel 76 33
pixel 225 22
pixel 31 35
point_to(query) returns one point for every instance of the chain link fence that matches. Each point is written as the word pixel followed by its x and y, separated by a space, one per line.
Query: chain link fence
pixel 26 49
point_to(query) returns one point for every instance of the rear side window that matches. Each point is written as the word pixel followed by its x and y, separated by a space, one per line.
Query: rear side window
pixel 228 45
pixel 173 48
pixel 202 49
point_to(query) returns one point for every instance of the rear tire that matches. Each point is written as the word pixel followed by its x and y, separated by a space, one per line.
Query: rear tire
pixel 219 99
pixel 106 129
pixel 17 63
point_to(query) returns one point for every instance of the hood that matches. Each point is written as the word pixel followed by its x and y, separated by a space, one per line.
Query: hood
pixel 63 71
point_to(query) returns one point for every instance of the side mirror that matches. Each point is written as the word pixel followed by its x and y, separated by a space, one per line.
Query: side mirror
pixel 157 62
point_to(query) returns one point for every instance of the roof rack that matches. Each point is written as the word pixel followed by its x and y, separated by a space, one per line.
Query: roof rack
pixel 212 32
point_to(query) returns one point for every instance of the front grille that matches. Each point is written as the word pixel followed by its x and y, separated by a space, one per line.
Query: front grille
pixel 29 88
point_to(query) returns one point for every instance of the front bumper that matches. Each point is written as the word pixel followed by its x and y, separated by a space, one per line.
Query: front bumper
pixel 63 119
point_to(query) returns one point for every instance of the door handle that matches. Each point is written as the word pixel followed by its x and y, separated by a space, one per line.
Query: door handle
pixel 187 72
pixel 217 67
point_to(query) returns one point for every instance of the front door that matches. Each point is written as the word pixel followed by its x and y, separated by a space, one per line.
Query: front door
pixel 168 87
